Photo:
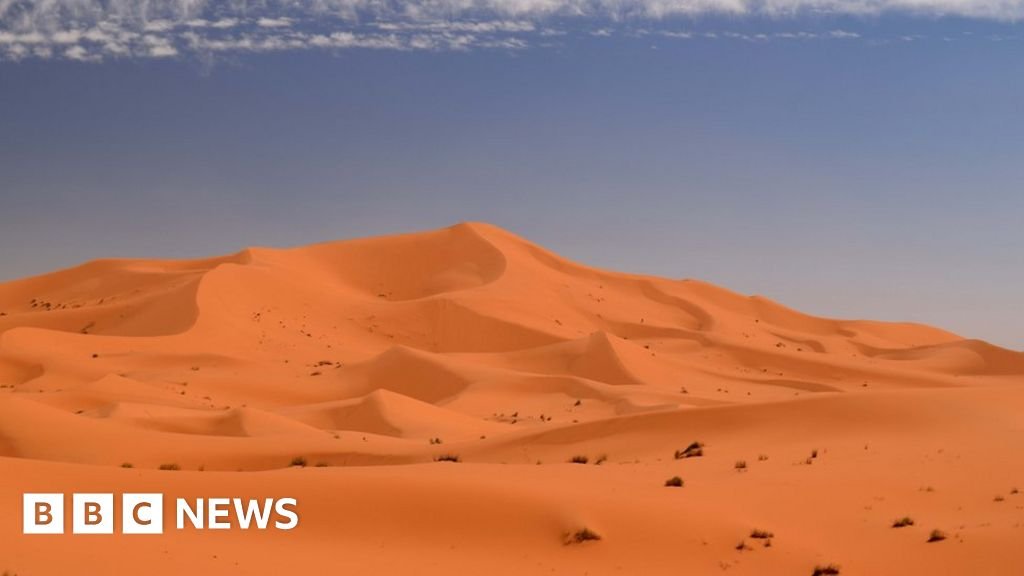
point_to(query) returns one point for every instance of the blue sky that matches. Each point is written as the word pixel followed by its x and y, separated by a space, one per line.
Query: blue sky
pixel 855 159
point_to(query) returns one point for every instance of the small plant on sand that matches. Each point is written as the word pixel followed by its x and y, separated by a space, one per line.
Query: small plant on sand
pixel 170 467
pixel 827 570
pixel 694 450
pixel 601 459
pixel 127 465
pixel 742 546
pixel 903 522
pixel 674 482
pixel 998 498
pixel 936 536
pixel 761 534
pixel 741 465
pixel 762 457
pixel 580 536
pixel 447 458
pixel 435 440
pixel 298 461
pixel 579 459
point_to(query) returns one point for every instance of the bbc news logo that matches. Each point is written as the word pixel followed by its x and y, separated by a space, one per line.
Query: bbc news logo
pixel 93 513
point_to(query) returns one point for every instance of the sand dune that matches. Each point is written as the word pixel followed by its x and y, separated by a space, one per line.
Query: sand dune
pixel 367 359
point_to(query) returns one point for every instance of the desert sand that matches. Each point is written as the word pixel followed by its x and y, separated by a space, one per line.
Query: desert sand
pixel 367 360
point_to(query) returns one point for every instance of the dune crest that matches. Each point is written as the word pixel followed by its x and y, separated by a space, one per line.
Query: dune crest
pixel 365 335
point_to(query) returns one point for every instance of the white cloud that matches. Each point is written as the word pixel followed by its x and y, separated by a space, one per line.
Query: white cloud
pixel 351 40
pixel 274 22
pixel 16 52
pixel 158 26
pixel 98 29
pixel 163 51
pixel 77 53
pixel 160 15
pixel 23 38
pixel 796 35
pixel 159 46
pixel 843 34
pixel 67 37
pixel 461 26
pixel 99 35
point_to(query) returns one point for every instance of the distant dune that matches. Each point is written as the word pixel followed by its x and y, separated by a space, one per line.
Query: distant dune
pixel 368 359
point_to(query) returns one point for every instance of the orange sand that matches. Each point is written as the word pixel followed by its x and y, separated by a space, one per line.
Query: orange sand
pixel 354 355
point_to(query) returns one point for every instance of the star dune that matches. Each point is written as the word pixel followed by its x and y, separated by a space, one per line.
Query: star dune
pixel 465 401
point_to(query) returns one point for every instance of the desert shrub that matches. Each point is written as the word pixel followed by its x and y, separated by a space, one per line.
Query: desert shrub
pixel 170 467
pixel 761 534
pixel 903 522
pixel 447 458
pixel 674 482
pixel 298 461
pixel 127 465
pixel 827 570
pixel 936 536
pixel 579 459
pixel 741 465
pixel 694 450
pixel 582 535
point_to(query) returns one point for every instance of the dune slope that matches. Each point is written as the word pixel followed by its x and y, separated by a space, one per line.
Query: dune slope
pixel 368 359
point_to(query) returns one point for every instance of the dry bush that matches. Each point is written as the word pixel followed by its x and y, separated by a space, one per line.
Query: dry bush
pixel 694 450
pixel 580 536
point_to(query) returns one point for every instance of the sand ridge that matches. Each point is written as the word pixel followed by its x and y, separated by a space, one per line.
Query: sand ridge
pixel 373 357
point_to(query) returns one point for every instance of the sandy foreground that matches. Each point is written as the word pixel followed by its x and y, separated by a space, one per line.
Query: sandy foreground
pixel 369 359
